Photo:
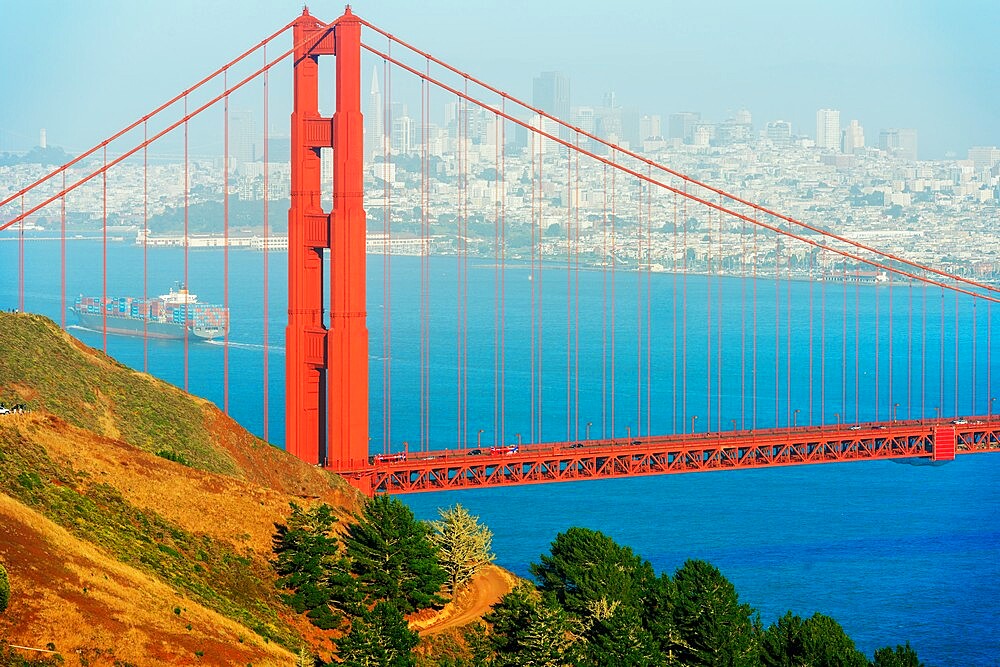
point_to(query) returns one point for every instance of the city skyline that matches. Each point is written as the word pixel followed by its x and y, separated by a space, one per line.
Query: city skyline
pixel 923 69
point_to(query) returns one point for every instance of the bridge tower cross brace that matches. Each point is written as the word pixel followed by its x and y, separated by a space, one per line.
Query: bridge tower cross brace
pixel 326 373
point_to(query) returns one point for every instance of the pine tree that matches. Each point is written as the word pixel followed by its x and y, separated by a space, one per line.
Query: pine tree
pixel 528 630
pixel 620 640
pixel 392 557
pixel 783 644
pixel 586 566
pixel 307 554
pixel 378 638
pixel 463 544
pixel 901 656
pixel 826 644
pixel 712 627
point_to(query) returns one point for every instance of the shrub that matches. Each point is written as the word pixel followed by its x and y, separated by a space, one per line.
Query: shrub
pixel 4 589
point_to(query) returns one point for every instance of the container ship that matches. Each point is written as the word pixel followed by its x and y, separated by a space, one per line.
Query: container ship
pixel 167 316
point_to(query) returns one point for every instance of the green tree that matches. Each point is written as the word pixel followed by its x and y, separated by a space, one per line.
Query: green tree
pixel 378 638
pixel 818 641
pixel 618 638
pixel 4 589
pixel 309 566
pixel 392 557
pixel 530 631
pixel 901 656
pixel 782 643
pixel 586 566
pixel 712 627
pixel 464 545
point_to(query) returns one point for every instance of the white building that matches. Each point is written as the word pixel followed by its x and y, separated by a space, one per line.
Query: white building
pixel 828 129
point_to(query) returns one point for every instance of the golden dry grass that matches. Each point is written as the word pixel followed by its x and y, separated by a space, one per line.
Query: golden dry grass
pixel 67 592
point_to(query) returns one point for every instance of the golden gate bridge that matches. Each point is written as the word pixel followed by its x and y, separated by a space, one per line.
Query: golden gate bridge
pixel 729 266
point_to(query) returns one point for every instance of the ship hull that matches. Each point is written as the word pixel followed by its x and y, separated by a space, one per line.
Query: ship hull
pixel 128 326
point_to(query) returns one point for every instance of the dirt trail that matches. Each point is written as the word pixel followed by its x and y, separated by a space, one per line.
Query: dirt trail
pixel 485 590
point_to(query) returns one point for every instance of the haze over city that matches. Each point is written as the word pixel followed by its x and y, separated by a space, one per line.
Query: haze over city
pixel 926 66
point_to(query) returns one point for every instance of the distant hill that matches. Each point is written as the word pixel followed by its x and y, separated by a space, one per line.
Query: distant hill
pixel 136 520
pixel 50 156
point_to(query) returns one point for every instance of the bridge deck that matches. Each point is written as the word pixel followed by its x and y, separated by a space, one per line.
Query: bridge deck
pixel 930 440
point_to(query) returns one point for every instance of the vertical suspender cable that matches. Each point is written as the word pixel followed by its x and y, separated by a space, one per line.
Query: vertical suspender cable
pixel 777 329
pixel 576 300
pixel 104 251
pixel 684 286
pixel 462 130
pixel 878 364
pixel 387 260
pixel 956 336
pixel 569 292
pixel 975 344
pixel 889 401
pixel 20 261
pixel 503 276
pixel 424 269
pixel 822 353
pixel 604 308
pixel 614 297
pixel 496 276
pixel 743 323
pixel 538 287
pixel 673 348
pixel 909 351
pixel 638 317
pixel 267 252
pixel 753 282
pixel 718 330
pixel 788 339
pixel 989 359
pixel 708 326
pixel 812 388
pixel 187 286
pixel 923 350
pixel 225 242
pixel 857 349
pixel 463 433
pixel 62 254
pixel 649 308
pixel 941 409
pixel 534 288
pixel 145 309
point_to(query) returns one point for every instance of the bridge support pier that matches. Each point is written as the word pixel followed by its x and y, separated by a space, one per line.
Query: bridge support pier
pixel 945 442
pixel 326 413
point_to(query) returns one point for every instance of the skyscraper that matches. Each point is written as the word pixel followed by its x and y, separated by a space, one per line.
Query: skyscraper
pixel 900 142
pixel 779 132
pixel 375 119
pixel 649 126
pixel 828 129
pixel 550 93
pixel 854 137
pixel 681 125
pixel 243 136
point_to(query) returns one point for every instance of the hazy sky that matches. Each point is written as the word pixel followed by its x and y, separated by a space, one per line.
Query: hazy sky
pixel 83 69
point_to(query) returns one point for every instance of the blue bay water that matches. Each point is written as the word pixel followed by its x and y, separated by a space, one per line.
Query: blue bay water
pixel 894 552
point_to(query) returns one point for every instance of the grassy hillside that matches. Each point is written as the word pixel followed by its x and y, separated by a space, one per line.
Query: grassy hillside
pixel 129 524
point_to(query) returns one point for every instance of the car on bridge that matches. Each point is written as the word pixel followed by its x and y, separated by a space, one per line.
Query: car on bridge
pixel 388 458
